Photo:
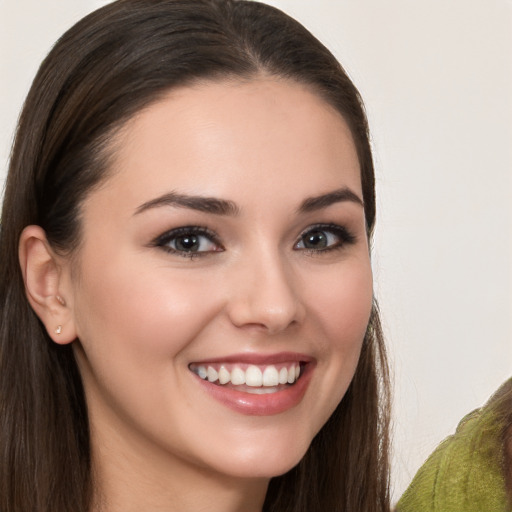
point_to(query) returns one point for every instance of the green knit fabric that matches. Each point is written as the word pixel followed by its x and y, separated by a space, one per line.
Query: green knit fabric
pixel 464 474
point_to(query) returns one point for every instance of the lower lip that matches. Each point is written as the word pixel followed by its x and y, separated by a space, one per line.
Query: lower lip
pixel 260 405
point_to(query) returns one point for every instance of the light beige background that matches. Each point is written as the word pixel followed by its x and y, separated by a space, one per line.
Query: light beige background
pixel 437 80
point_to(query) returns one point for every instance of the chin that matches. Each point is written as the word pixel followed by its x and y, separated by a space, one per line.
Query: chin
pixel 265 461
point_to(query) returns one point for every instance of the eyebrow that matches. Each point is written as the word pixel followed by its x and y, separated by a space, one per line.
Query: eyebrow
pixel 323 201
pixel 199 203
pixel 218 206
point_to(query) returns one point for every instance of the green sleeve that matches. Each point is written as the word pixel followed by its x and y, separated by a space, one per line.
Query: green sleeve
pixel 464 474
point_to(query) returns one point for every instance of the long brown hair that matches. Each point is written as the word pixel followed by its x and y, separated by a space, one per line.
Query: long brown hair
pixel 106 68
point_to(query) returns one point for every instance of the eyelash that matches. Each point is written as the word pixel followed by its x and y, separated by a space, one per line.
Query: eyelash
pixel 163 241
pixel 342 233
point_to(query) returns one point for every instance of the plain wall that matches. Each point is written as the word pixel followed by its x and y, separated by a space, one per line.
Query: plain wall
pixel 436 77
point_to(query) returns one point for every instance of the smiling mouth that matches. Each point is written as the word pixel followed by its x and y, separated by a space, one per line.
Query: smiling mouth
pixel 250 378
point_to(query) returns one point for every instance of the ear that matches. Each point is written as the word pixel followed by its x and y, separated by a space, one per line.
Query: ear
pixel 42 271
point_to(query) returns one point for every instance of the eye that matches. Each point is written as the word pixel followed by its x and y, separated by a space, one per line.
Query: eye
pixel 189 241
pixel 324 237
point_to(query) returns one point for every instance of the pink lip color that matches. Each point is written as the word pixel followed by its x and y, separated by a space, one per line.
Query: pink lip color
pixel 259 359
pixel 261 405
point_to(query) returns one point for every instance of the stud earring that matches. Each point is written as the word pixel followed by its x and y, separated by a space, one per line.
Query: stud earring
pixel 59 329
pixel 60 299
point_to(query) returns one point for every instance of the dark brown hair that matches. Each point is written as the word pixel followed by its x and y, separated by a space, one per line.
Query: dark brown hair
pixel 106 68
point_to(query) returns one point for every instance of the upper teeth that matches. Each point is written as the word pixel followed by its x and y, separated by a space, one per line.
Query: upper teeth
pixel 253 376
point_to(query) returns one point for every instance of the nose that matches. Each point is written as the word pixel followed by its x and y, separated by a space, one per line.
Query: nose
pixel 265 295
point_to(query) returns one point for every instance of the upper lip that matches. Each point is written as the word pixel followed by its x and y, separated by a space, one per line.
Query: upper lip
pixel 259 359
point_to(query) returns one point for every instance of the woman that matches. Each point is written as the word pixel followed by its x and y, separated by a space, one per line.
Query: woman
pixel 187 313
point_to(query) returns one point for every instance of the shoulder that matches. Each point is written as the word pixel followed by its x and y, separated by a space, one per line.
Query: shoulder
pixel 465 472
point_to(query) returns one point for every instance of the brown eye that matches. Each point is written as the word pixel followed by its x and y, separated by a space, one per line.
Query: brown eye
pixel 189 241
pixel 315 240
pixel 324 238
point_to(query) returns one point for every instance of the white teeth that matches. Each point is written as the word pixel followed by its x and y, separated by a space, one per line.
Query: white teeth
pixel 270 376
pixel 237 376
pixel 255 377
pixel 224 375
pixel 262 391
pixel 212 374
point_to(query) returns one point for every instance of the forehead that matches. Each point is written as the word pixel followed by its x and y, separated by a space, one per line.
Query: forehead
pixel 235 140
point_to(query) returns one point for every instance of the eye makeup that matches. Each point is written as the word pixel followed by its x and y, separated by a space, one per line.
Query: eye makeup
pixel 189 241
pixel 199 241
pixel 321 238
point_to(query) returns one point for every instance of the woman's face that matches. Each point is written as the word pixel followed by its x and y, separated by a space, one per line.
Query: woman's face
pixel 227 245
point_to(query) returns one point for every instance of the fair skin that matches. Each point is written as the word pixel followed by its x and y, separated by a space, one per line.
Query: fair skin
pixel 280 278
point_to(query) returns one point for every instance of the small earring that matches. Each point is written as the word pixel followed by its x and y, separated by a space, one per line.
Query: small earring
pixel 60 299
pixel 59 329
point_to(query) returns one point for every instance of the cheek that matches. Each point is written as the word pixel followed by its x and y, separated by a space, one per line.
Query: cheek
pixel 143 310
pixel 341 309
pixel 343 305
pixel 134 326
